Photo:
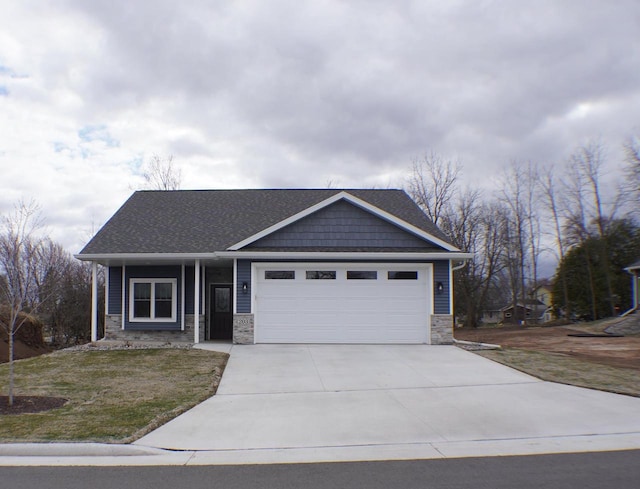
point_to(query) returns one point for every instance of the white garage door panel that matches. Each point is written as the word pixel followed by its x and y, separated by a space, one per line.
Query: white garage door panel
pixel 340 310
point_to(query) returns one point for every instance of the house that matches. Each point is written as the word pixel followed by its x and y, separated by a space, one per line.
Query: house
pixel 492 314
pixel 531 311
pixel 634 270
pixel 544 293
pixel 274 266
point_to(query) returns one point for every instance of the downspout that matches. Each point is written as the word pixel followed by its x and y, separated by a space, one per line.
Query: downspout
pixel 634 292
pixel 458 267
pixel 462 265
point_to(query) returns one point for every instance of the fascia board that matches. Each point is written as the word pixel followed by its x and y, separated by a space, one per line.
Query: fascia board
pixel 132 258
pixel 355 201
pixel 342 255
pixel 144 257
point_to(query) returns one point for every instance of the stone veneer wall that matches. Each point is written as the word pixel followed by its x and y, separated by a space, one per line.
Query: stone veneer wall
pixel 243 329
pixel 441 329
pixel 114 331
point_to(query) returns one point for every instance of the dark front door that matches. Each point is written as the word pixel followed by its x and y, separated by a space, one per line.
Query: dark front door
pixel 220 313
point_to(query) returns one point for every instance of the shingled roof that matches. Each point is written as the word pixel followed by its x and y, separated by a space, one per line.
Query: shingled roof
pixel 203 221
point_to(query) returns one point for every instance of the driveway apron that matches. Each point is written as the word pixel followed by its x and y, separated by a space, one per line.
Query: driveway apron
pixel 314 396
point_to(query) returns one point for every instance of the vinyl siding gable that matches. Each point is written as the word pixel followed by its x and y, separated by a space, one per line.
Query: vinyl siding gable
pixel 343 225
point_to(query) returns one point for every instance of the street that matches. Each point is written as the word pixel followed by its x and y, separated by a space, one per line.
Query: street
pixel 585 470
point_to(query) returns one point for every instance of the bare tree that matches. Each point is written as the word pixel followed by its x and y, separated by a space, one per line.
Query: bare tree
pixel 433 184
pixel 632 172
pixel 551 200
pixel 20 254
pixel 588 162
pixel 162 174
pixel 532 216
pixel 577 227
pixel 475 227
pixel 515 238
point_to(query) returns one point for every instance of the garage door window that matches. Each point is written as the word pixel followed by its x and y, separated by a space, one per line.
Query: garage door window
pixel 321 275
pixel 279 274
pixel 362 275
pixel 402 275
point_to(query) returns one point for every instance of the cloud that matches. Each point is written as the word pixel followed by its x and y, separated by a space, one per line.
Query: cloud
pixel 287 93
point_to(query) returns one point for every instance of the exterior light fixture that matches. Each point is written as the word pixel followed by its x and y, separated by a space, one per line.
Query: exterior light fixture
pixel 245 287
pixel 439 288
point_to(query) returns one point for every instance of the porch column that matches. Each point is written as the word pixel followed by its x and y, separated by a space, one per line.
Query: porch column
pixel 94 301
pixel 196 302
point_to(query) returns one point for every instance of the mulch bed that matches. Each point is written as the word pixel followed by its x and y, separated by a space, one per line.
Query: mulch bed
pixel 30 404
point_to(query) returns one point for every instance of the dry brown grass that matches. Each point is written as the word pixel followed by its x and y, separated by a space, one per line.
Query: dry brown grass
pixel 565 369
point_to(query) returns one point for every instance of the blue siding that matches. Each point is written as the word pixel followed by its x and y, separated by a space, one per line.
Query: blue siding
pixel 342 225
pixel 189 278
pixel 115 290
pixel 441 274
pixel 243 301
pixel 166 271
pixel 188 289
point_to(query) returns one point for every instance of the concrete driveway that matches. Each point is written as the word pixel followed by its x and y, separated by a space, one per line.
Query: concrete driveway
pixel 355 402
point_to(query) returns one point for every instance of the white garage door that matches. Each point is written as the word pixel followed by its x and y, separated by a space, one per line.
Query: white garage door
pixel 342 303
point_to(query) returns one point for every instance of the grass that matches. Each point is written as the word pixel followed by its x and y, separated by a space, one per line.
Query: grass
pixel 114 396
pixel 564 369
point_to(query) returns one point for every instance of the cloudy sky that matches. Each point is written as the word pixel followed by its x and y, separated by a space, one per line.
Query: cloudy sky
pixel 299 94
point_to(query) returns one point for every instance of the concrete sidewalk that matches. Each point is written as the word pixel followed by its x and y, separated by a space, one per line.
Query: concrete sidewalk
pixel 317 403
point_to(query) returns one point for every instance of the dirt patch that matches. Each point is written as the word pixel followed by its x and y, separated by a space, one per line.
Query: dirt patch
pixel 614 351
pixel 30 404
pixel 21 351
pixel 28 338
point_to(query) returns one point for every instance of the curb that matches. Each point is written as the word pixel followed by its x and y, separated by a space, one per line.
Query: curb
pixel 75 450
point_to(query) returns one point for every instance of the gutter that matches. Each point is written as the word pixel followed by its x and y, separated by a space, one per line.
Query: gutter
pixel 279 255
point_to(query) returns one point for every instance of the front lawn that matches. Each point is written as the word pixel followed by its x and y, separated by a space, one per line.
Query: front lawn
pixel 113 396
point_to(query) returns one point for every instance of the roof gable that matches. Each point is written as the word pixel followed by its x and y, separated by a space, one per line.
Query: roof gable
pixel 342 222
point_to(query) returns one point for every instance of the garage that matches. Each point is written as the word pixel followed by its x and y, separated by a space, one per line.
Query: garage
pixel 342 303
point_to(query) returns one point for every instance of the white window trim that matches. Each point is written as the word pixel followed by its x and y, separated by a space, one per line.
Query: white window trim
pixel 153 319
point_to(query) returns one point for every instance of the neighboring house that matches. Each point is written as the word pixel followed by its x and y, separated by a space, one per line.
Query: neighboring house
pixel 531 311
pixel 491 316
pixel 274 266
pixel 544 293
pixel 634 270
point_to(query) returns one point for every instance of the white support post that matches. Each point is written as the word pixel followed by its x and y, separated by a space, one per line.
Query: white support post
pixel 106 290
pixel 196 302
pixel 182 295
pixel 123 295
pixel 94 301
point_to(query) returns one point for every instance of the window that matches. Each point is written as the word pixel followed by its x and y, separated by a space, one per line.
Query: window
pixel 362 275
pixel 321 275
pixel 279 274
pixel 153 299
pixel 402 275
